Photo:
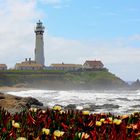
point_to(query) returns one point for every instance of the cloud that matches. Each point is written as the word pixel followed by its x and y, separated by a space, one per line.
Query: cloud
pixel 115 51
pixel 17 41
pixel 135 37
pixel 52 2
pixel 57 4
pixel 119 55
pixel 16 32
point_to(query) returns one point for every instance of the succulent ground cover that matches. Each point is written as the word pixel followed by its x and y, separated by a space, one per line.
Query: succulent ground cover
pixel 58 124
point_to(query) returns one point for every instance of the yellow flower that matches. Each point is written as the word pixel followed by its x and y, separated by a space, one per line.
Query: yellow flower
pixel 110 119
pixel 86 136
pixel 62 133
pixel 58 133
pixel 83 135
pixel 15 124
pixel 129 126
pixel 46 131
pixel 98 123
pixel 57 107
pixel 33 109
pixel 102 119
pixel 110 122
pixel 21 138
pixel 43 111
pixel 80 135
pixel 86 112
pixel 117 121
pixel 13 121
pixel 62 111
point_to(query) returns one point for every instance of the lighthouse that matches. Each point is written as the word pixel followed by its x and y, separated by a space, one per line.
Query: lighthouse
pixel 39 43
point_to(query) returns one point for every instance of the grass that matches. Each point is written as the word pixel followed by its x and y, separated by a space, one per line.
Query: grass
pixel 86 78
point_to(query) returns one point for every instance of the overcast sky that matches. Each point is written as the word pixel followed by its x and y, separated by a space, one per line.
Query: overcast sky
pixel 75 31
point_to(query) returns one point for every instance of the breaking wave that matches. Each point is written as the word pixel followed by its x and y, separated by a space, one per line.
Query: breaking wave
pixel 117 102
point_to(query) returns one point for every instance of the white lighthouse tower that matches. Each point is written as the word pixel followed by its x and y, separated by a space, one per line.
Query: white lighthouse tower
pixel 39 43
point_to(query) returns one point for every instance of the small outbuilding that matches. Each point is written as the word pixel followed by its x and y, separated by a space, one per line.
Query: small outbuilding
pixel 3 67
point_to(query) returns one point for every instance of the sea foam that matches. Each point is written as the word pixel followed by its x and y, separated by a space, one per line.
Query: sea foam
pixel 103 101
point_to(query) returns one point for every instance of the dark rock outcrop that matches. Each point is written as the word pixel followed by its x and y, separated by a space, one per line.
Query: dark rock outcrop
pixel 93 107
pixel 70 107
pixel 33 101
pixel 16 104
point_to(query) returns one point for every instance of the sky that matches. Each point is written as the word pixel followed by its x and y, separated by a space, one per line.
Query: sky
pixel 75 31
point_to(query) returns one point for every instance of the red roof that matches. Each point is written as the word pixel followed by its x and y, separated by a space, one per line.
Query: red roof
pixel 3 66
pixel 94 63
pixel 67 65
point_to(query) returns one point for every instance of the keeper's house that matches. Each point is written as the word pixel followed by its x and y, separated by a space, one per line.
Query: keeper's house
pixel 28 65
pixel 93 64
pixel 67 67
pixel 3 67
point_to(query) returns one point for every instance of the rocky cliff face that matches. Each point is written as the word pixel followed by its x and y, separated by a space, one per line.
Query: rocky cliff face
pixel 15 104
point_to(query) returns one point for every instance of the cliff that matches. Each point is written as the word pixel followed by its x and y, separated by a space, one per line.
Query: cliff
pixel 98 79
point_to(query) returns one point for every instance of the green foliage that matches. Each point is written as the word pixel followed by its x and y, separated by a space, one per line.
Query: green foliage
pixel 91 76
pixel 29 71
pixel 83 78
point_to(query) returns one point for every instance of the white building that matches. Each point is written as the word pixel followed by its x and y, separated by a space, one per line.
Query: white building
pixel 3 67
pixel 39 43
pixel 28 65
pixel 93 64
pixel 67 67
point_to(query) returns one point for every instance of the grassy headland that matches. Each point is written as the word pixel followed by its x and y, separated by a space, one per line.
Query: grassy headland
pixel 57 79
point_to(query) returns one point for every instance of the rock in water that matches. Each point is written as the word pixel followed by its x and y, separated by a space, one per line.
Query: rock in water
pixel 33 101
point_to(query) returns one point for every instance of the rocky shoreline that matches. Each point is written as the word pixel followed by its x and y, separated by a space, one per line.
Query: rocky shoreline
pixel 15 104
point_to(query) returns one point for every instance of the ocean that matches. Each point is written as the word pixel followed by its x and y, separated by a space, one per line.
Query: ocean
pixel 113 101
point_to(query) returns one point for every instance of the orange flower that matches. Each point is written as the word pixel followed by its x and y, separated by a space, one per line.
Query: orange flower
pixel 135 126
pixel 124 117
